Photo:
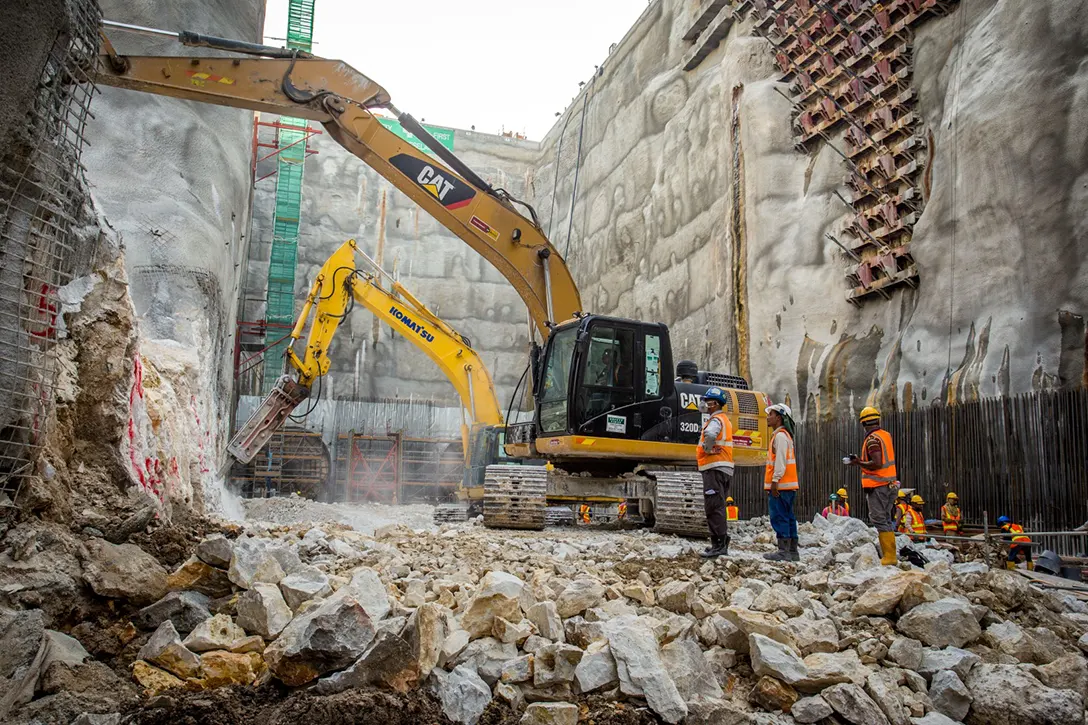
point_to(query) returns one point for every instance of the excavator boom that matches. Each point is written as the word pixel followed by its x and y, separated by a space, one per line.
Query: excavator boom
pixel 344 101
pixel 339 285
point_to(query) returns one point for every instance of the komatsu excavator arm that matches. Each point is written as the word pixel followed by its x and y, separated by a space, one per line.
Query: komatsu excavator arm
pixel 344 101
pixel 339 285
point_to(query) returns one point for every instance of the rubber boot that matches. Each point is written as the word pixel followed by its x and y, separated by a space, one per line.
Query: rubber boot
pixel 783 553
pixel 724 549
pixel 887 548
pixel 715 544
pixel 1031 566
pixel 795 555
pixel 1010 565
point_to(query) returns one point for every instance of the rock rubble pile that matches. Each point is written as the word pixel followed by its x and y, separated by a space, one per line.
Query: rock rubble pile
pixel 535 624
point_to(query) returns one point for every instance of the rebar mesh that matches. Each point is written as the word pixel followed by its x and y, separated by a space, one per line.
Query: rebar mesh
pixel 42 193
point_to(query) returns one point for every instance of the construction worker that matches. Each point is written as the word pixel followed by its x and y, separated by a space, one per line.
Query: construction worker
pixel 584 513
pixel 879 479
pixel 844 499
pixel 902 503
pixel 732 513
pixel 621 513
pixel 836 506
pixel 1019 544
pixel 950 515
pixel 781 483
pixel 915 519
pixel 714 456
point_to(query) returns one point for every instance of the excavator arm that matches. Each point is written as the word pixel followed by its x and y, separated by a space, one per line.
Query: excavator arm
pixel 343 100
pixel 339 285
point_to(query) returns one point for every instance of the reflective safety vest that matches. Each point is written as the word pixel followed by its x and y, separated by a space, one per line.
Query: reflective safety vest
pixel 788 482
pixel 623 510
pixel 881 476
pixel 904 517
pixel 584 511
pixel 722 455
pixel 916 523
pixel 1015 529
pixel 732 513
pixel 838 510
pixel 950 518
pixel 846 505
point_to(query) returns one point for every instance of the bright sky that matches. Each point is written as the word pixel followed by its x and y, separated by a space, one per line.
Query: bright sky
pixel 488 63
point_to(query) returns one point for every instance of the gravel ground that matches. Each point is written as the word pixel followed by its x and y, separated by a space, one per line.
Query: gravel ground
pixel 363 517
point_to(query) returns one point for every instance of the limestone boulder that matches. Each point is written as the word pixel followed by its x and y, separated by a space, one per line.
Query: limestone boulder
pixel 813 635
pixel 427 631
pixel 304 584
pixel 123 571
pixel 261 609
pixel 185 609
pixel 694 680
pixel 934 718
pixel 779 598
pixel 216 550
pixel 640 669
pixel 676 596
pixel 368 591
pixel 749 623
pixel 498 595
pixel 545 617
pixel 955 659
pixel 883 596
pixel 883 688
pixel 810 710
pixel 639 592
pixel 949 695
pixel 906 652
pixel 257 561
pixel 1007 694
pixel 596 670
pixel 578 596
pixel 222 669
pixel 199 576
pixel 218 632
pixel 1069 672
pixel 462 694
pixel 853 705
pixel 1010 638
pixel 21 633
pixel 944 623
pixel 550 713
pixel 506 631
pixel 830 668
pixel 153 680
pixel 488 656
pixel 165 650
pixel 1011 589
pixel 328 637
pixel 388 661
pixel 453 645
pixel 773 659
pixel 725 634
pixel 773 694
pixel 555 664
pixel 519 669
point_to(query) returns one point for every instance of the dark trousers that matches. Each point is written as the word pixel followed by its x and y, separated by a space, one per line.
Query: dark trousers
pixel 1016 549
pixel 783 521
pixel 716 480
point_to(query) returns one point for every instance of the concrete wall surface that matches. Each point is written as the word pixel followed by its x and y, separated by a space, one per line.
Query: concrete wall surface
pixel 705 217
pixel 344 198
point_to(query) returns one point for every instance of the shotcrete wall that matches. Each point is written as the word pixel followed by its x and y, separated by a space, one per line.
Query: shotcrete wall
pixel 693 208
pixel 343 198
pixel 172 178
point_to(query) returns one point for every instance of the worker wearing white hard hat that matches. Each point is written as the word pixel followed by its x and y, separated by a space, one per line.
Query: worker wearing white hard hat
pixel 781 483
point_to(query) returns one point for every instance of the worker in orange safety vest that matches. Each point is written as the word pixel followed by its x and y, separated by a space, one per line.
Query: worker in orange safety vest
pixel 781 483
pixel 879 479
pixel 584 513
pixel 732 513
pixel 621 513
pixel 836 506
pixel 950 515
pixel 844 499
pixel 1019 546
pixel 714 457
pixel 916 520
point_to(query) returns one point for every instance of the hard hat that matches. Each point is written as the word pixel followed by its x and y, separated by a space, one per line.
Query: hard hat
pixel 952 495
pixel 842 493
pixel 715 394
pixel 729 499
pixel 780 408
pixel 834 497
pixel 901 494
pixel 917 499
pixel 869 414
pixel 1002 520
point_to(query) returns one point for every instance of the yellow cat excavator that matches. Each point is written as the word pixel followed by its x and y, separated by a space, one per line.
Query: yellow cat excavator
pixel 608 412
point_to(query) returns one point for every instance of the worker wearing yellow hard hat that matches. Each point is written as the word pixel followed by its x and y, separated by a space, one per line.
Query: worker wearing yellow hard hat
pixel 916 520
pixel 902 503
pixel 951 515
pixel 732 512
pixel 879 479
pixel 844 499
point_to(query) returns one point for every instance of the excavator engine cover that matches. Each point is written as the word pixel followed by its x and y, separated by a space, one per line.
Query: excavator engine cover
pixel 267 419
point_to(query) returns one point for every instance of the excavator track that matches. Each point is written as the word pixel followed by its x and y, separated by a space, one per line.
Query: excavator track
pixel 559 516
pixel 515 497
pixel 451 513
pixel 678 505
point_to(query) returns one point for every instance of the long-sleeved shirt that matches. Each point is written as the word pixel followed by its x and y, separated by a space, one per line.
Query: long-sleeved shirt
pixel 781 453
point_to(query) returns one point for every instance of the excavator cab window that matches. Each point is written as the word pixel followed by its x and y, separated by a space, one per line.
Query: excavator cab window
pixel 608 381
pixel 554 395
